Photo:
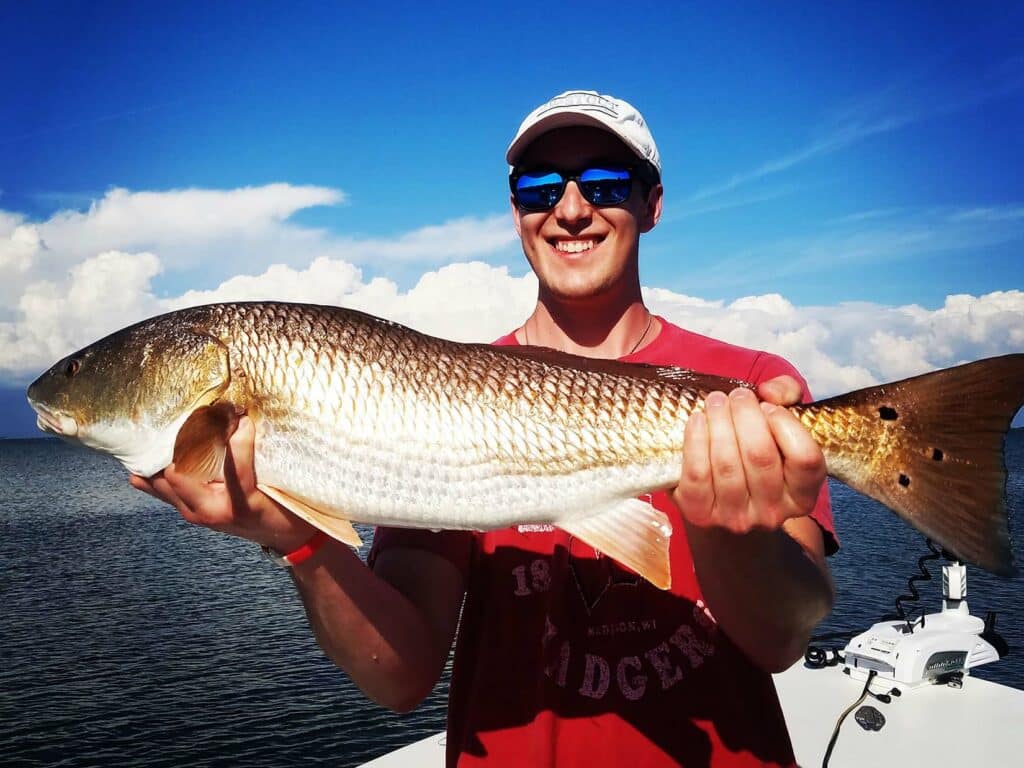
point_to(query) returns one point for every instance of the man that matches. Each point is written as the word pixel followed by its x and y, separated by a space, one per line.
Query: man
pixel 563 656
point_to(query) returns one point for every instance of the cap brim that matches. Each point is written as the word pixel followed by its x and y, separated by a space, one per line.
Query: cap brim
pixel 549 123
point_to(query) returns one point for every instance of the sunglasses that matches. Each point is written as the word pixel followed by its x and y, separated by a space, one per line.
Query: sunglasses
pixel 600 185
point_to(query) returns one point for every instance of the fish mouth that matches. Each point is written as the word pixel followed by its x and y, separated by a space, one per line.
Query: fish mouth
pixel 51 421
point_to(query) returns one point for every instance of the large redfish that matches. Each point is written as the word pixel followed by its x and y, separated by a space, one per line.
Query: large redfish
pixel 361 419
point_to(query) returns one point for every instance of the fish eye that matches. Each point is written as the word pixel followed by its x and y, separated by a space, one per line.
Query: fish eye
pixel 72 368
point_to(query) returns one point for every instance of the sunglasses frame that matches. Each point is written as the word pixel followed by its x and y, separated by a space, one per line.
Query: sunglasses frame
pixel 635 172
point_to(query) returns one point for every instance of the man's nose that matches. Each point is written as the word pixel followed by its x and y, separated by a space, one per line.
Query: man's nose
pixel 573 207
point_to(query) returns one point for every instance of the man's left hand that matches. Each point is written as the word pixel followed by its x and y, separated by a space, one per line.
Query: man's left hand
pixel 749 464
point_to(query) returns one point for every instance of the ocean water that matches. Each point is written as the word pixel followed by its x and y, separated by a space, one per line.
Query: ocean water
pixel 128 637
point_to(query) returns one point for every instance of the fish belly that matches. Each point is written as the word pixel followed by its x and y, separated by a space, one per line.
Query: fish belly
pixel 439 477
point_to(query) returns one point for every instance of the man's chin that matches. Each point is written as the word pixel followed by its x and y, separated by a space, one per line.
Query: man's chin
pixel 576 291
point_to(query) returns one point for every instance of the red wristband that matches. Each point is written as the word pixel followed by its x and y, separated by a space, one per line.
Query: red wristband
pixel 299 555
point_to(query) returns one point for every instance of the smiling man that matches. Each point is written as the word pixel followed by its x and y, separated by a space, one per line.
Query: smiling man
pixel 581 237
pixel 564 657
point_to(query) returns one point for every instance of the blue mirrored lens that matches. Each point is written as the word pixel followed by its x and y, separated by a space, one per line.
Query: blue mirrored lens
pixel 539 191
pixel 606 186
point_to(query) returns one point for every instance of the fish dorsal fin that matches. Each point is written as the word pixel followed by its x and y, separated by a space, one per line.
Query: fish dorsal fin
pixel 632 532
pixel 683 376
pixel 201 444
pixel 335 527
pixel 701 382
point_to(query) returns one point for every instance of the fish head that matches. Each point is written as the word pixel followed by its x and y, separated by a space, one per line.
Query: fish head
pixel 128 394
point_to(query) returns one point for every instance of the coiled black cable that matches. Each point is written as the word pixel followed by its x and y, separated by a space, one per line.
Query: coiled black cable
pixel 819 656
pixel 913 594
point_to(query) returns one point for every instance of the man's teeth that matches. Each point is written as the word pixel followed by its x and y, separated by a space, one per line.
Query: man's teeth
pixel 574 246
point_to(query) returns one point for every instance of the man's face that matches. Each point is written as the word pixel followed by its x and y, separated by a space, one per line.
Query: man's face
pixel 579 250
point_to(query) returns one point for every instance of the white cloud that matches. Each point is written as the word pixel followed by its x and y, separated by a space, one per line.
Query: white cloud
pixel 18 250
pixel 466 302
pixel 469 301
pixel 323 282
pixel 853 345
pixel 51 311
pixel 102 294
pixel 175 221
pixel 77 275
pixel 226 232
pixel 770 303
pixel 904 356
pixel 837 348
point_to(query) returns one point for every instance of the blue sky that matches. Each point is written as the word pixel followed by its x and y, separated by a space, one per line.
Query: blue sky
pixel 842 169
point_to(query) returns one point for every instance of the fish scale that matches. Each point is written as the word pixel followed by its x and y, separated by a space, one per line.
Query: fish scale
pixel 473 445
pixel 481 401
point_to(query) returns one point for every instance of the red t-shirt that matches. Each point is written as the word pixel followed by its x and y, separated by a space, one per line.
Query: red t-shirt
pixel 564 657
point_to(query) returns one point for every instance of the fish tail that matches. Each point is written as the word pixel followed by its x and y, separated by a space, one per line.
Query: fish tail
pixel 931 449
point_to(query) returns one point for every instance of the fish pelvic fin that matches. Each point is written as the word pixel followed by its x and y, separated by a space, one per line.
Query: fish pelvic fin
pixel 931 449
pixel 201 444
pixel 631 532
pixel 335 527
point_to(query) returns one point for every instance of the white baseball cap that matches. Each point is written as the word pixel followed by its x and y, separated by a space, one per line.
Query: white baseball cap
pixel 588 108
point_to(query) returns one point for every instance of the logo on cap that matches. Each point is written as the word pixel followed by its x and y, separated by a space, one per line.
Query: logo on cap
pixel 582 99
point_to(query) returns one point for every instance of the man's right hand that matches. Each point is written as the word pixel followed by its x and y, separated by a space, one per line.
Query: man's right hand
pixel 234 504
pixel 390 628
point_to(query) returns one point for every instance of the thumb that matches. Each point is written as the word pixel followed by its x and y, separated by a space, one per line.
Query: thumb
pixel 782 390
pixel 238 464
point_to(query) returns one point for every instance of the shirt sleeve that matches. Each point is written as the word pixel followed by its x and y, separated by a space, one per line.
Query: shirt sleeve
pixel 454 546
pixel 767 367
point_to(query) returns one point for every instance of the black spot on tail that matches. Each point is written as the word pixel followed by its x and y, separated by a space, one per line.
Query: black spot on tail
pixel 887 413
pixel 904 480
pixel 937 455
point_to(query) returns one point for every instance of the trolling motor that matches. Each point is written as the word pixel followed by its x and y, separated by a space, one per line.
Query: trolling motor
pixel 935 648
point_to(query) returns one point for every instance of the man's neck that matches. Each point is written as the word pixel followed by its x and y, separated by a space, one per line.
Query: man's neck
pixel 591 329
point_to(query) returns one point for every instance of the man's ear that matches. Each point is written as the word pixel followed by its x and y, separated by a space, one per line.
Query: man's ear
pixel 652 208
pixel 516 213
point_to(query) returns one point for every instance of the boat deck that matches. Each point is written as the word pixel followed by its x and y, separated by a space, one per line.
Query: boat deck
pixel 935 725
pixel 978 724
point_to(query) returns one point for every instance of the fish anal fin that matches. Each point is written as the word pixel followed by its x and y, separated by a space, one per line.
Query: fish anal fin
pixel 201 443
pixel 631 532
pixel 335 527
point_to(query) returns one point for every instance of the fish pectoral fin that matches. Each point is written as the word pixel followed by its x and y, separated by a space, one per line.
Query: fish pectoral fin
pixel 632 532
pixel 201 443
pixel 335 527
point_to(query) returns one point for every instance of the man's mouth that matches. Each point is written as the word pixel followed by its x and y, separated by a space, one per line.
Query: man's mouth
pixel 574 246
